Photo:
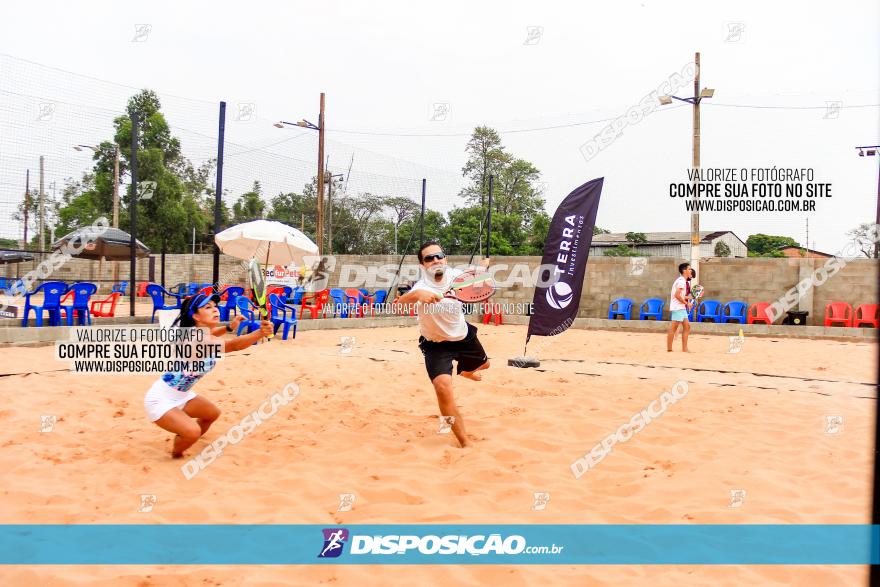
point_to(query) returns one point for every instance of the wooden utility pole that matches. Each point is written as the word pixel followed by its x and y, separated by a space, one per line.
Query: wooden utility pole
pixel 42 210
pixel 116 188
pixel 320 228
pixel 27 204
pixel 695 214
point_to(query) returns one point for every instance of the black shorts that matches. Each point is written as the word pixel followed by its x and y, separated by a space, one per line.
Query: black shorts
pixel 439 355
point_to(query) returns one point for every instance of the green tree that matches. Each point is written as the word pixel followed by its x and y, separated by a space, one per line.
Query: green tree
pixel 486 156
pixel 721 249
pixel 623 250
pixel 250 205
pixel 408 231
pixel 166 219
pixel 516 190
pixel 537 234
pixel 52 209
pixel 598 230
pixel 765 245
pixel 636 238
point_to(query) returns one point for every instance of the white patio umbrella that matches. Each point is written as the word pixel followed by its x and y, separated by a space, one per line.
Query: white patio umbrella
pixel 270 242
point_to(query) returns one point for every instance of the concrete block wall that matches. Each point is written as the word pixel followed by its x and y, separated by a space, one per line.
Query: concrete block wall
pixel 746 279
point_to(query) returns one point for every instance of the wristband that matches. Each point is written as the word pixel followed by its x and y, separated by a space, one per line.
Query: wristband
pixel 228 328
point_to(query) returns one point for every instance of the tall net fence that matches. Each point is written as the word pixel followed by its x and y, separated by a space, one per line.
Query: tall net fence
pixel 57 135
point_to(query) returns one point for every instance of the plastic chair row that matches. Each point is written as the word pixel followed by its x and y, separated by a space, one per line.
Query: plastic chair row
pixel 227 307
pixel 708 310
pixel 81 308
pixel 282 315
pixel 842 314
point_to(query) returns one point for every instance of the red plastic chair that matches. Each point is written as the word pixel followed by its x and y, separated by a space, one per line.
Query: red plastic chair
pixel 355 301
pixel 838 314
pixel 222 293
pixel 867 314
pixel 493 312
pixel 106 307
pixel 314 303
pixel 404 310
pixel 758 313
pixel 142 289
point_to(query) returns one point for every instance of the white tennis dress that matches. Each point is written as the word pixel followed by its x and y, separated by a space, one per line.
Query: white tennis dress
pixel 172 390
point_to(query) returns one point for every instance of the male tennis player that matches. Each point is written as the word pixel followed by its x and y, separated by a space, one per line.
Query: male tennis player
pixel 679 306
pixel 445 334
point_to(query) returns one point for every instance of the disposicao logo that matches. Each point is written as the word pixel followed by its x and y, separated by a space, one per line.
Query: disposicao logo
pixel 334 540
pixel 559 295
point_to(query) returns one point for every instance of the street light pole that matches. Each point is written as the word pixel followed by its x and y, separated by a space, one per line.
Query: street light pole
pixel 319 230
pixel 695 214
pixel 699 94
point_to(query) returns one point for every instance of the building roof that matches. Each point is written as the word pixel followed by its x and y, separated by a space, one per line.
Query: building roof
pixel 658 238
pixel 814 251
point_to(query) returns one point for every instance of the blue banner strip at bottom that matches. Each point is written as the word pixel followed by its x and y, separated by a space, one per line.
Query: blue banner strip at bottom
pixel 543 544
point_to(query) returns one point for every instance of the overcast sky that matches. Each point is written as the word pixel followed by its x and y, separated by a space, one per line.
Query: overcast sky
pixel 385 65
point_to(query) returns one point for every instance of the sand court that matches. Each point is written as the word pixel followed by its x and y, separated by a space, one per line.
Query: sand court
pixel 780 432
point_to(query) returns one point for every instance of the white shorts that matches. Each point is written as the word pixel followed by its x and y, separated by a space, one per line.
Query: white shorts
pixel 161 397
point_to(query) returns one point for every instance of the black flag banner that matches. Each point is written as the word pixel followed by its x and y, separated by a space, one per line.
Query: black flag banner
pixel 567 247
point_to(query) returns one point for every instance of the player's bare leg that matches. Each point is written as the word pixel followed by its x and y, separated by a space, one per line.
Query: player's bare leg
pixel 670 335
pixel 685 330
pixel 446 401
pixel 473 375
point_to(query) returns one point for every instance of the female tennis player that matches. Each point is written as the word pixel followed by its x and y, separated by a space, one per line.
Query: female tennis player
pixel 170 403
pixel 445 335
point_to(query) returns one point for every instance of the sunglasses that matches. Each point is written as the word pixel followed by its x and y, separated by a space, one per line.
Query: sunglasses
pixel 429 258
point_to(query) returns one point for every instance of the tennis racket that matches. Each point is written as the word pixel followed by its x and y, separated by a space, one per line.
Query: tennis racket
pixel 471 286
pixel 697 292
pixel 258 286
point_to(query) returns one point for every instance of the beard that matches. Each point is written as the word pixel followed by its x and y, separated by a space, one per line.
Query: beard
pixel 436 271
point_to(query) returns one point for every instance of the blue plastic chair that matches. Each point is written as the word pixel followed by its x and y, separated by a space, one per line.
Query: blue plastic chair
pixel 339 302
pixel 180 289
pixel 193 288
pixel 735 312
pixel 620 307
pixel 279 315
pixel 120 287
pixel 247 309
pixel 4 284
pixel 81 293
pixel 157 293
pixel 379 296
pixel 297 296
pixel 53 291
pixel 651 308
pixel 228 307
pixel 710 310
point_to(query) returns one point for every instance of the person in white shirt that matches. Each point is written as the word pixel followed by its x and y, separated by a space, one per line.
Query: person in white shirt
pixel 445 334
pixel 679 306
